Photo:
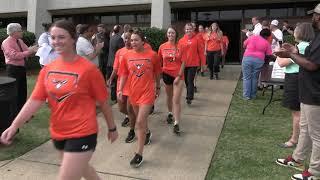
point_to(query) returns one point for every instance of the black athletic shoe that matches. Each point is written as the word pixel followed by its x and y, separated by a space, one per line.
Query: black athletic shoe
pixel 148 138
pixel 202 74
pixel 216 76
pixel 136 161
pixel 131 136
pixel 125 122
pixel 170 119
pixel 195 89
pixel 189 101
pixel 152 110
pixel 176 129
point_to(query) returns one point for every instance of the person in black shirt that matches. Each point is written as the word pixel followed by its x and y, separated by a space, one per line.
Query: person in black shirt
pixel 287 29
pixel 309 92
pixel 116 43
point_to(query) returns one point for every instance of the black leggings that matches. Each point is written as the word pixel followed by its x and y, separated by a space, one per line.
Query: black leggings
pixel 113 84
pixel 189 74
pixel 213 61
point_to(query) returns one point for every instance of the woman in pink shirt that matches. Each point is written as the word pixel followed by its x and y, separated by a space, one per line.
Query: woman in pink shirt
pixel 253 59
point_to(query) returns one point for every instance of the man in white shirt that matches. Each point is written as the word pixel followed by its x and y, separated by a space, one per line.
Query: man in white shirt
pixel 277 35
pixel 257 27
pixel 84 47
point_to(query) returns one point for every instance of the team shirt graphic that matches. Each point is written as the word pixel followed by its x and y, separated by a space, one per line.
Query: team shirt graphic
pixel 61 85
pixel 170 55
pixel 140 66
pixel 141 69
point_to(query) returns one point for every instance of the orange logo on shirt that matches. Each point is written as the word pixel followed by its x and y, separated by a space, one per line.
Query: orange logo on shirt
pixel 139 66
pixel 61 85
pixel 139 71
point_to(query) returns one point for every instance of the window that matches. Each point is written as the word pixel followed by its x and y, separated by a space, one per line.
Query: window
pixel 236 14
pixel 278 13
pixel 290 12
pixel 301 12
pixel 183 15
pixel 208 16
pixel 126 19
pixel 143 18
pixel 249 13
pixel 173 18
pixel 193 16
pixel 109 19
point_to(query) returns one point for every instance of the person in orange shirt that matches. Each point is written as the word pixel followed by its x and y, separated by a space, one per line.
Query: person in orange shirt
pixel 192 55
pixel 214 50
pixel 124 106
pixel 141 68
pixel 201 36
pixel 225 41
pixel 72 85
pixel 172 75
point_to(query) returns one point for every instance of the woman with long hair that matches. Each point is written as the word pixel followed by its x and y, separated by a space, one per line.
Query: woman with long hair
pixel 124 105
pixel 141 70
pixel 303 34
pixel 72 85
pixel 172 75
pixel 214 50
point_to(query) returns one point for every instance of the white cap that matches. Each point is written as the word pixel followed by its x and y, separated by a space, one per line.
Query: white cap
pixel 275 22
pixel 315 10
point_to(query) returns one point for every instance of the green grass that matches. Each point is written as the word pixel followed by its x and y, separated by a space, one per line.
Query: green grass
pixel 248 145
pixel 32 134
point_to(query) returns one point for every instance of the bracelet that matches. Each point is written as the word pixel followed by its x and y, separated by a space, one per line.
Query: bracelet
pixel 113 129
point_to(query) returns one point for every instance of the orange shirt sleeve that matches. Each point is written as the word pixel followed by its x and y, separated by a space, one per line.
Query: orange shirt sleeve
pixel 156 64
pixel 116 60
pixel 39 92
pixel 97 86
pixel 123 70
pixel 201 52
pixel 160 54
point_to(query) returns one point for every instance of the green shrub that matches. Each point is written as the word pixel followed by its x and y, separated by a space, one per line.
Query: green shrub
pixel 289 39
pixel 155 36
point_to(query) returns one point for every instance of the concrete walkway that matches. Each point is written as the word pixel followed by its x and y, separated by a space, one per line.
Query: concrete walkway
pixel 167 157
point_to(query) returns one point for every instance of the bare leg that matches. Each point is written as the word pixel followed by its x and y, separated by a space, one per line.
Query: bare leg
pixel 75 165
pixel 295 126
pixel 141 124
pixel 169 91
pixel 177 92
pixel 131 114
pixel 123 105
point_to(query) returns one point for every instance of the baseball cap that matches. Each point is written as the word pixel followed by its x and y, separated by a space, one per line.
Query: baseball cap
pixel 275 22
pixel 315 10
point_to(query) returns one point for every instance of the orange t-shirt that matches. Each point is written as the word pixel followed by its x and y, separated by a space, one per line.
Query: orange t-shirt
pixel 213 42
pixel 72 90
pixel 193 51
pixel 117 63
pixel 141 69
pixel 170 55
pixel 147 46
pixel 225 41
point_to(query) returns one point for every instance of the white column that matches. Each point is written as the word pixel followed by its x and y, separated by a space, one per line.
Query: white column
pixel 160 14
pixel 37 14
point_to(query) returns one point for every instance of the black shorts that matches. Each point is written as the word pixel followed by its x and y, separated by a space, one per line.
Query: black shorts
pixel 82 144
pixel 167 79
pixel 291 92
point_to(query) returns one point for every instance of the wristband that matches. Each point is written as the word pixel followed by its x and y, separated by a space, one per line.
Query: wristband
pixel 113 129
